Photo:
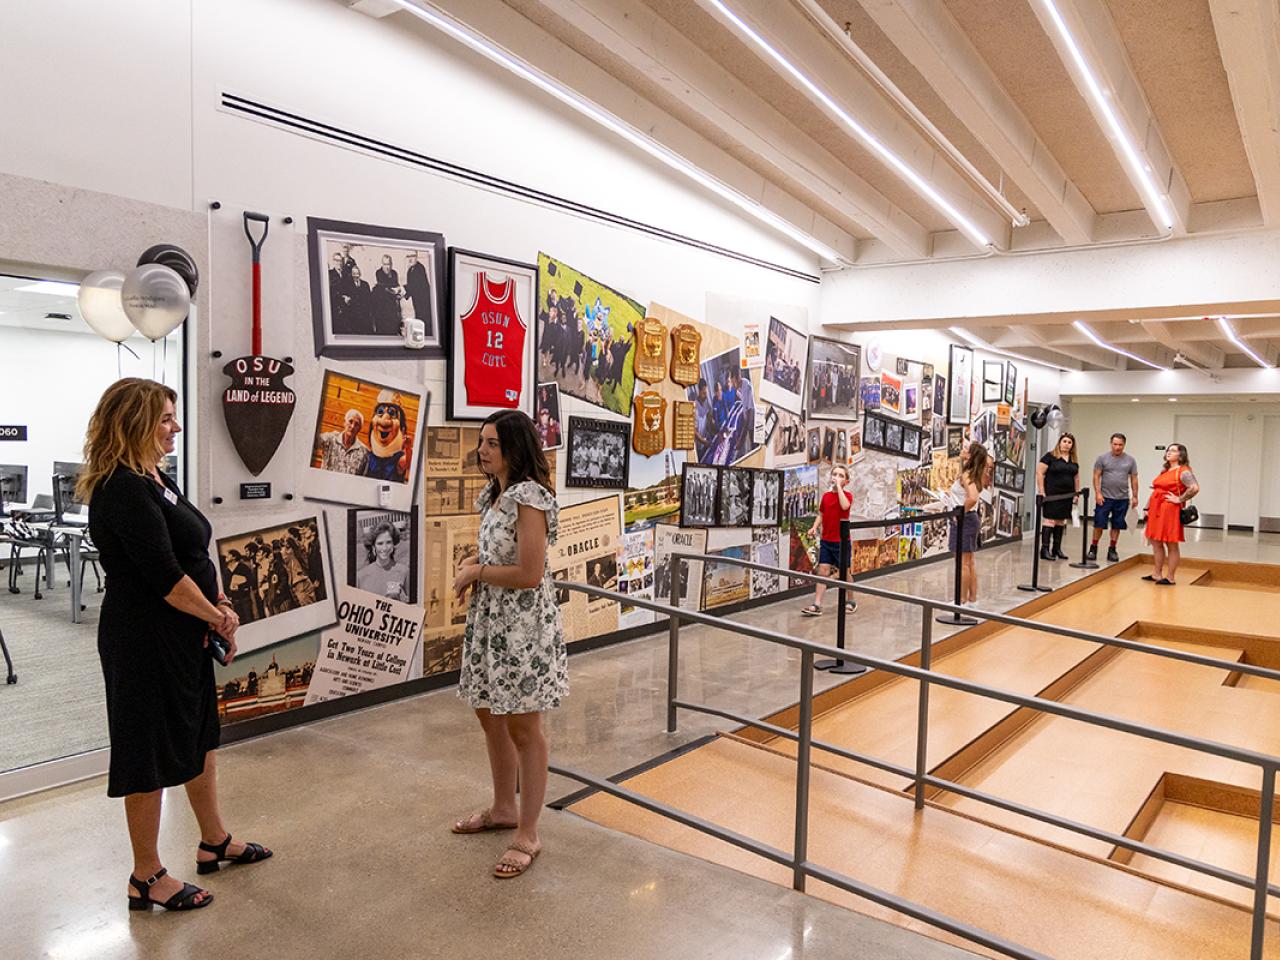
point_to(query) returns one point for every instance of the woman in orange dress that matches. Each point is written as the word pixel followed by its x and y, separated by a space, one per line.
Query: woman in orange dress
pixel 1175 485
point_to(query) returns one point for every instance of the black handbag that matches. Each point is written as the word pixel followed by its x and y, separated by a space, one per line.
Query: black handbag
pixel 1189 514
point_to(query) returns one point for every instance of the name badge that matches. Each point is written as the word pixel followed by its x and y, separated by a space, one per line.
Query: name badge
pixel 171 497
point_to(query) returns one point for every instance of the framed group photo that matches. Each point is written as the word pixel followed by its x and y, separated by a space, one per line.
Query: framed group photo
pixel 834 386
pixel 734 497
pixel 492 333
pixel 698 488
pixel 598 453
pixel 366 281
pixel 785 356
pixel 766 498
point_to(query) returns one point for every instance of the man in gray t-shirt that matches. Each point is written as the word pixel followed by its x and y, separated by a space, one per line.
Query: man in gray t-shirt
pixel 1115 490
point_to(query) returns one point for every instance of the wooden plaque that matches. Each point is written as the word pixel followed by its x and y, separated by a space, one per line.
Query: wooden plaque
pixel 686 354
pixel 649 435
pixel 651 351
pixel 684 425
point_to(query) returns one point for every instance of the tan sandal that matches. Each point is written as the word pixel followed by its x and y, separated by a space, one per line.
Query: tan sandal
pixel 487 823
pixel 513 868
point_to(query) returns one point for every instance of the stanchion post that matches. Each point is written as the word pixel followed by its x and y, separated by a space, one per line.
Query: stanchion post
pixel 922 705
pixel 842 666
pixel 673 644
pixel 1034 585
pixel 958 619
pixel 1085 563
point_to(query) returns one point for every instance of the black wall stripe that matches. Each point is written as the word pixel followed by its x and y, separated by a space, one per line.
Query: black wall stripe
pixel 324 131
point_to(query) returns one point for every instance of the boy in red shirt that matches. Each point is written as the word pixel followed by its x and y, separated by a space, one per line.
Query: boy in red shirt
pixel 832 550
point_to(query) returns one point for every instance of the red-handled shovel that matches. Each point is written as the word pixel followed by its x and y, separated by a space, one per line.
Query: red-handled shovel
pixel 257 405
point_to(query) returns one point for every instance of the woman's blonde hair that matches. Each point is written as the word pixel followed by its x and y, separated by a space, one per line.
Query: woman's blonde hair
pixel 122 432
pixel 1057 448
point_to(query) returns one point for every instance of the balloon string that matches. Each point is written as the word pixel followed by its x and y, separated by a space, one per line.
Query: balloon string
pixel 164 366
pixel 119 362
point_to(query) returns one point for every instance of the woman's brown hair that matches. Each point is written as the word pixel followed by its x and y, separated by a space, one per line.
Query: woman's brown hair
pixel 122 432
pixel 521 449
pixel 1184 460
pixel 1057 448
pixel 977 468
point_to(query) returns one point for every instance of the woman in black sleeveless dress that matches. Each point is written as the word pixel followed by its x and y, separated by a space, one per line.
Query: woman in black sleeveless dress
pixel 160 604
pixel 1058 472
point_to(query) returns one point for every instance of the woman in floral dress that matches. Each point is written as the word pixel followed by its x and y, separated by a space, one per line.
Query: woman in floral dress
pixel 514 664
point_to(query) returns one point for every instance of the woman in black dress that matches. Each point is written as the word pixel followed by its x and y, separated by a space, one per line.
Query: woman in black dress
pixel 1057 472
pixel 161 602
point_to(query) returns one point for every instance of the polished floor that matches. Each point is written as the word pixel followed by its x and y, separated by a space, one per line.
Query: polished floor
pixel 357 808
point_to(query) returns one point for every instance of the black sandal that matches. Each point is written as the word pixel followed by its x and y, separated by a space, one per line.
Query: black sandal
pixel 1164 582
pixel 184 899
pixel 252 853
pixel 1149 577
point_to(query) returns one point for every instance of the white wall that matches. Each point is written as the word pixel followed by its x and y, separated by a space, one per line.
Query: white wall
pixel 52 381
pixel 1149 423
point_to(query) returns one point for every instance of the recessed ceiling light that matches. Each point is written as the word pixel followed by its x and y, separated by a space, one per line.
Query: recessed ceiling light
pixel 1173 399
pixel 50 287
pixel 1134 400
pixel 1083 328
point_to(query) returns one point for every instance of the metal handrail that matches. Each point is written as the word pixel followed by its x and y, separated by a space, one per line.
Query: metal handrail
pixel 1233 666
pixel 802 868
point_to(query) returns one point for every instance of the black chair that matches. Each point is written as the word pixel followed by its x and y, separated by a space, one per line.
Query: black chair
pixel 10 677
pixel 64 498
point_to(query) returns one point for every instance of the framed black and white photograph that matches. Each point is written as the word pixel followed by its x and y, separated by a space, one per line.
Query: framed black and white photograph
pixel 829 444
pixel 766 498
pixel 785 357
pixel 491 345
pixel 938 428
pixel 834 386
pixel 734 508
pixel 278 578
pixel 893 436
pixel 698 488
pixel 955 441
pixel 910 441
pixel 1010 382
pixel 1019 478
pixel 382 553
pixel 992 381
pixel 815 444
pixel 1006 507
pixel 873 432
pixel 367 281
pixel 960 375
pixel 598 454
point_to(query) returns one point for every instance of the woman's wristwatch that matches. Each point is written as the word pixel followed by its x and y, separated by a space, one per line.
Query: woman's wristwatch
pixel 222 601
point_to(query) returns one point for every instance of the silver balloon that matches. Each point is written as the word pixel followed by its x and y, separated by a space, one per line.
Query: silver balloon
pixel 155 299
pixel 101 306
pixel 1056 420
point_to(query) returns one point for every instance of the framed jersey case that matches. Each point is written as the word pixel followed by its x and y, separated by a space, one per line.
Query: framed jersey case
pixel 492 337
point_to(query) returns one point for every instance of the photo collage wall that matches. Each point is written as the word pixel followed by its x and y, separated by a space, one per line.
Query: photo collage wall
pixel 666 433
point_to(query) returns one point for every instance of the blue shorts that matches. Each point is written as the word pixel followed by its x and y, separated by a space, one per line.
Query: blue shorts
pixel 830 552
pixel 969 535
pixel 1113 511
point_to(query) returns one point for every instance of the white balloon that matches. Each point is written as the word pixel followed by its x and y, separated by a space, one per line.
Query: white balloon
pixel 101 307
pixel 155 299
pixel 1057 420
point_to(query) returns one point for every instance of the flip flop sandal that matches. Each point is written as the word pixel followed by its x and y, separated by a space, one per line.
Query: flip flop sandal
pixel 1150 577
pixel 252 853
pixel 811 611
pixel 487 823
pixel 1165 582
pixel 184 899
pixel 513 868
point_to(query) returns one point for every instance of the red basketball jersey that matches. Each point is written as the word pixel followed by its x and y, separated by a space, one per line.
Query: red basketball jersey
pixel 493 343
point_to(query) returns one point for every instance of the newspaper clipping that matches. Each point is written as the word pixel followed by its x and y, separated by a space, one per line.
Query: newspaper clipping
pixel 586 551
pixel 373 644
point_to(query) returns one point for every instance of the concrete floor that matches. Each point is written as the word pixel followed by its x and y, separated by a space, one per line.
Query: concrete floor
pixel 358 808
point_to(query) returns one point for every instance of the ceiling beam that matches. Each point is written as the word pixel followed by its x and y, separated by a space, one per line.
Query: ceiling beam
pixel 1249 38
pixel 1199 352
pixel 639 37
pixel 1100 44
pixel 524 41
pixel 929 36
pixel 1085 353
pixel 845 88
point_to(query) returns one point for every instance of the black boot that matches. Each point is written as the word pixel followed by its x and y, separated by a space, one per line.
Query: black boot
pixel 1057 543
pixel 1046 538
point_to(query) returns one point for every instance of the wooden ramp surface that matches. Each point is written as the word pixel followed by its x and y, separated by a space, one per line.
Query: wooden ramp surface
pixel 1060 903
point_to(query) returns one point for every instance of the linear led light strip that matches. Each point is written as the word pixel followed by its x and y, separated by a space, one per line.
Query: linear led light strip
pixel 967 226
pixel 976 341
pixel 1158 203
pixel 1083 328
pixel 1231 335
pixel 521 69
